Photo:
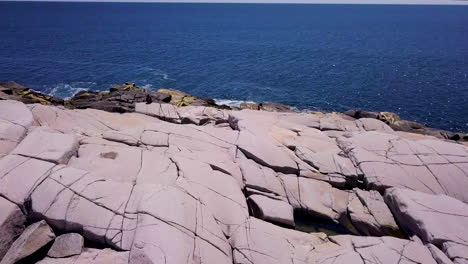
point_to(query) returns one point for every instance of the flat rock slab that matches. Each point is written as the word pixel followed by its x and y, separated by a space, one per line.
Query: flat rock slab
pixel 271 210
pixel 437 219
pixel 32 239
pixel 19 175
pixel 49 146
pixel 430 166
pixel 66 245
pixel 262 242
pixel 369 250
pixel 11 224
pixel 16 113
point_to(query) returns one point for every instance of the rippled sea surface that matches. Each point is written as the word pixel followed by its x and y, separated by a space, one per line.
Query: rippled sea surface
pixel 412 60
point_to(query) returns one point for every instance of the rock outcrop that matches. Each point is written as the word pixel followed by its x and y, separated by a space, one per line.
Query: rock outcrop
pixel 394 121
pixel 197 184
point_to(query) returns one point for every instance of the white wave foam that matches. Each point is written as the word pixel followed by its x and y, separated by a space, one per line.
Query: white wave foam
pixel 67 90
pixel 147 86
pixel 163 75
pixel 231 103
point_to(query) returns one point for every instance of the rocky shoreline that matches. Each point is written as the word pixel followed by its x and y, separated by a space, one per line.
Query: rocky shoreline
pixel 136 176
pixel 122 98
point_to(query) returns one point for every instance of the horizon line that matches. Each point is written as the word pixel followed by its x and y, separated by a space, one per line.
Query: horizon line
pixel 331 2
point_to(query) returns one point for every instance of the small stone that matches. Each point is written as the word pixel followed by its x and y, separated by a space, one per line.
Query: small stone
pixel 66 245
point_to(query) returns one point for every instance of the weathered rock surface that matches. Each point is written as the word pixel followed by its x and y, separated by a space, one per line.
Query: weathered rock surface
pixel 32 239
pixel 262 242
pixel 271 210
pixel 206 185
pixel 15 119
pixel 39 146
pixel 66 245
pixel 431 166
pixel 11 224
pixel 437 219
pixel 370 215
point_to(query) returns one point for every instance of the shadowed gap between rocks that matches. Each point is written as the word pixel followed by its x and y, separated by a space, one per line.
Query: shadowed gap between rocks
pixel 308 223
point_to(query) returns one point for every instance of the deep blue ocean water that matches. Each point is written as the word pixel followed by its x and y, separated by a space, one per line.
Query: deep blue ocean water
pixel 412 60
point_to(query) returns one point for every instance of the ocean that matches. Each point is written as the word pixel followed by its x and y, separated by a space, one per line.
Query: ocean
pixel 408 59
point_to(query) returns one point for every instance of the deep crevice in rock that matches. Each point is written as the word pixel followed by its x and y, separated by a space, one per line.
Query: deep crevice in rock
pixel 308 223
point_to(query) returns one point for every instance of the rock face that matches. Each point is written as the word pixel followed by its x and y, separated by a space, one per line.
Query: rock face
pixel 197 184
pixel 66 245
pixel 11 224
pixel 13 91
pixel 32 239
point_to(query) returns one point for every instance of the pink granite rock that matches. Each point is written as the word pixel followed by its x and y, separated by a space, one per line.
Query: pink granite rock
pixel 169 185
pixel 437 219
pixel 15 119
pixel 370 215
pixel 44 145
pixel 271 210
pixel 430 166
pixel 20 175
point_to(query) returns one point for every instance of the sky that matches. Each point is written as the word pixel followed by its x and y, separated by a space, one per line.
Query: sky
pixel 424 2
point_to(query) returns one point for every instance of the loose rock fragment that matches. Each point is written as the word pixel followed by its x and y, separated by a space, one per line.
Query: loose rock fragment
pixel 66 245
pixel 32 239
pixel 11 224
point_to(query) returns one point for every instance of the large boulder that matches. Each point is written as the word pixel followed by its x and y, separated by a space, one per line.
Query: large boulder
pixel 11 224
pixel 31 240
pixel 437 219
